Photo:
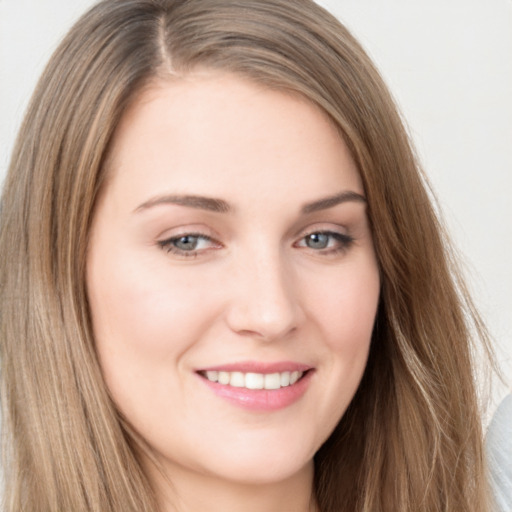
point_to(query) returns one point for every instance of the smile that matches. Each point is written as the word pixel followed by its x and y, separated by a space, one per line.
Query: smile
pixel 250 380
pixel 257 386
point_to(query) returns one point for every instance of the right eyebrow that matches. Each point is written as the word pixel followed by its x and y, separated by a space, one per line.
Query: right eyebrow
pixel 200 202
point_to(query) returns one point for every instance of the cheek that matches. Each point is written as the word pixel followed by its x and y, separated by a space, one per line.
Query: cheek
pixel 345 315
pixel 141 303
pixel 145 319
pixel 346 308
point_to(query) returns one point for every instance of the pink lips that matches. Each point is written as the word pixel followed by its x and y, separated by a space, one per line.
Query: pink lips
pixel 260 399
pixel 257 367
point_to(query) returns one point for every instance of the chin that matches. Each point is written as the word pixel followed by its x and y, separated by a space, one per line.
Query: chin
pixel 263 473
pixel 263 465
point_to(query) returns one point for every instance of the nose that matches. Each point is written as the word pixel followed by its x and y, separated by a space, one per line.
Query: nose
pixel 264 303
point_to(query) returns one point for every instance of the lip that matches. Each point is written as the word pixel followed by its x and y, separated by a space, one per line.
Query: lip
pixel 259 367
pixel 260 400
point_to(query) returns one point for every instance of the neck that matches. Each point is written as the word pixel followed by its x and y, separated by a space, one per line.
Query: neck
pixel 196 492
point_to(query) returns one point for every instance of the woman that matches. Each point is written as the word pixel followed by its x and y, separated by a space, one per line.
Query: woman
pixel 223 281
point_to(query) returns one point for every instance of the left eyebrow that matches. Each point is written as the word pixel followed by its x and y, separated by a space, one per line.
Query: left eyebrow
pixel 331 201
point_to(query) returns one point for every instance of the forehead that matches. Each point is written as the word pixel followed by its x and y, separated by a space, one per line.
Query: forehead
pixel 222 135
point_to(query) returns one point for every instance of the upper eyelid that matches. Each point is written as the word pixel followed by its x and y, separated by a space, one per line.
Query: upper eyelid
pixel 323 228
pixel 309 231
pixel 192 230
pixel 188 233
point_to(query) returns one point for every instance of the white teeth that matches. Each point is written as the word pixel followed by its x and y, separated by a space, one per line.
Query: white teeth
pixel 285 379
pixel 272 381
pixel 212 375
pixel 237 380
pixel 294 377
pixel 254 380
pixel 224 377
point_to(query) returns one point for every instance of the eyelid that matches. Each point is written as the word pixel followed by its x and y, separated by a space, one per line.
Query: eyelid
pixel 323 227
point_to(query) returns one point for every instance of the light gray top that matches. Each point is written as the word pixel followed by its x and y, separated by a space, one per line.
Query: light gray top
pixel 499 451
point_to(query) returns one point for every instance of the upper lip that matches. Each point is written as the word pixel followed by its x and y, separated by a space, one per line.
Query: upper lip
pixel 259 367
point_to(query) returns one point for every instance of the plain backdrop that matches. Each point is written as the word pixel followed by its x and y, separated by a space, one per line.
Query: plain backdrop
pixel 449 66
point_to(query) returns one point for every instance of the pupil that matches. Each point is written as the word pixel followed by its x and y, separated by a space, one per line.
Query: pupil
pixel 186 243
pixel 317 241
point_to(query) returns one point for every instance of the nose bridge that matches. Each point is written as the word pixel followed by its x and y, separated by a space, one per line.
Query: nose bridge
pixel 265 303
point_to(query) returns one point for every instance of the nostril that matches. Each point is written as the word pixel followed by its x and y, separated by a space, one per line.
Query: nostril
pixel 263 321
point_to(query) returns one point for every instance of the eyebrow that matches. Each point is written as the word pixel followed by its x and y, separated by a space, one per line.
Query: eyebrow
pixel 331 201
pixel 200 202
pixel 220 206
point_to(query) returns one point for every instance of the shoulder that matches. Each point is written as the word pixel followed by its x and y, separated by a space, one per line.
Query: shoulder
pixel 499 451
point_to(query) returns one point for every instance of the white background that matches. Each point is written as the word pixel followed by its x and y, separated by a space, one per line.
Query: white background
pixel 449 65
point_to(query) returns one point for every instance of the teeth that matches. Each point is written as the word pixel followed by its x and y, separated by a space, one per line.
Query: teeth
pixel 285 379
pixel 272 381
pixel 224 377
pixel 237 380
pixel 254 380
pixel 212 375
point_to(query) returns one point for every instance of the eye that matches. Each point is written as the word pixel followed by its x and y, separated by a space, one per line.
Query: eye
pixel 318 240
pixel 188 244
pixel 326 241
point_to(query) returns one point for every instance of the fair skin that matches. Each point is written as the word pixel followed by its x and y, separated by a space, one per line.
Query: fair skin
pixel 213 248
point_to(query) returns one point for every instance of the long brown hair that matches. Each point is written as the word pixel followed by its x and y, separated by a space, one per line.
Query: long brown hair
pixel 411 439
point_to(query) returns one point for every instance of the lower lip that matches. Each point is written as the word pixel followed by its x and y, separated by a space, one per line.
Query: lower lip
pixel 261 399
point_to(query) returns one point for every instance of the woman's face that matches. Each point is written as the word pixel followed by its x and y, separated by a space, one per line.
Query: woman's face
pixel 232 278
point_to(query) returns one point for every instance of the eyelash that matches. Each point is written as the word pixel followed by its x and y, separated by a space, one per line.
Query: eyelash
pixel 343 243
pixel 168 244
